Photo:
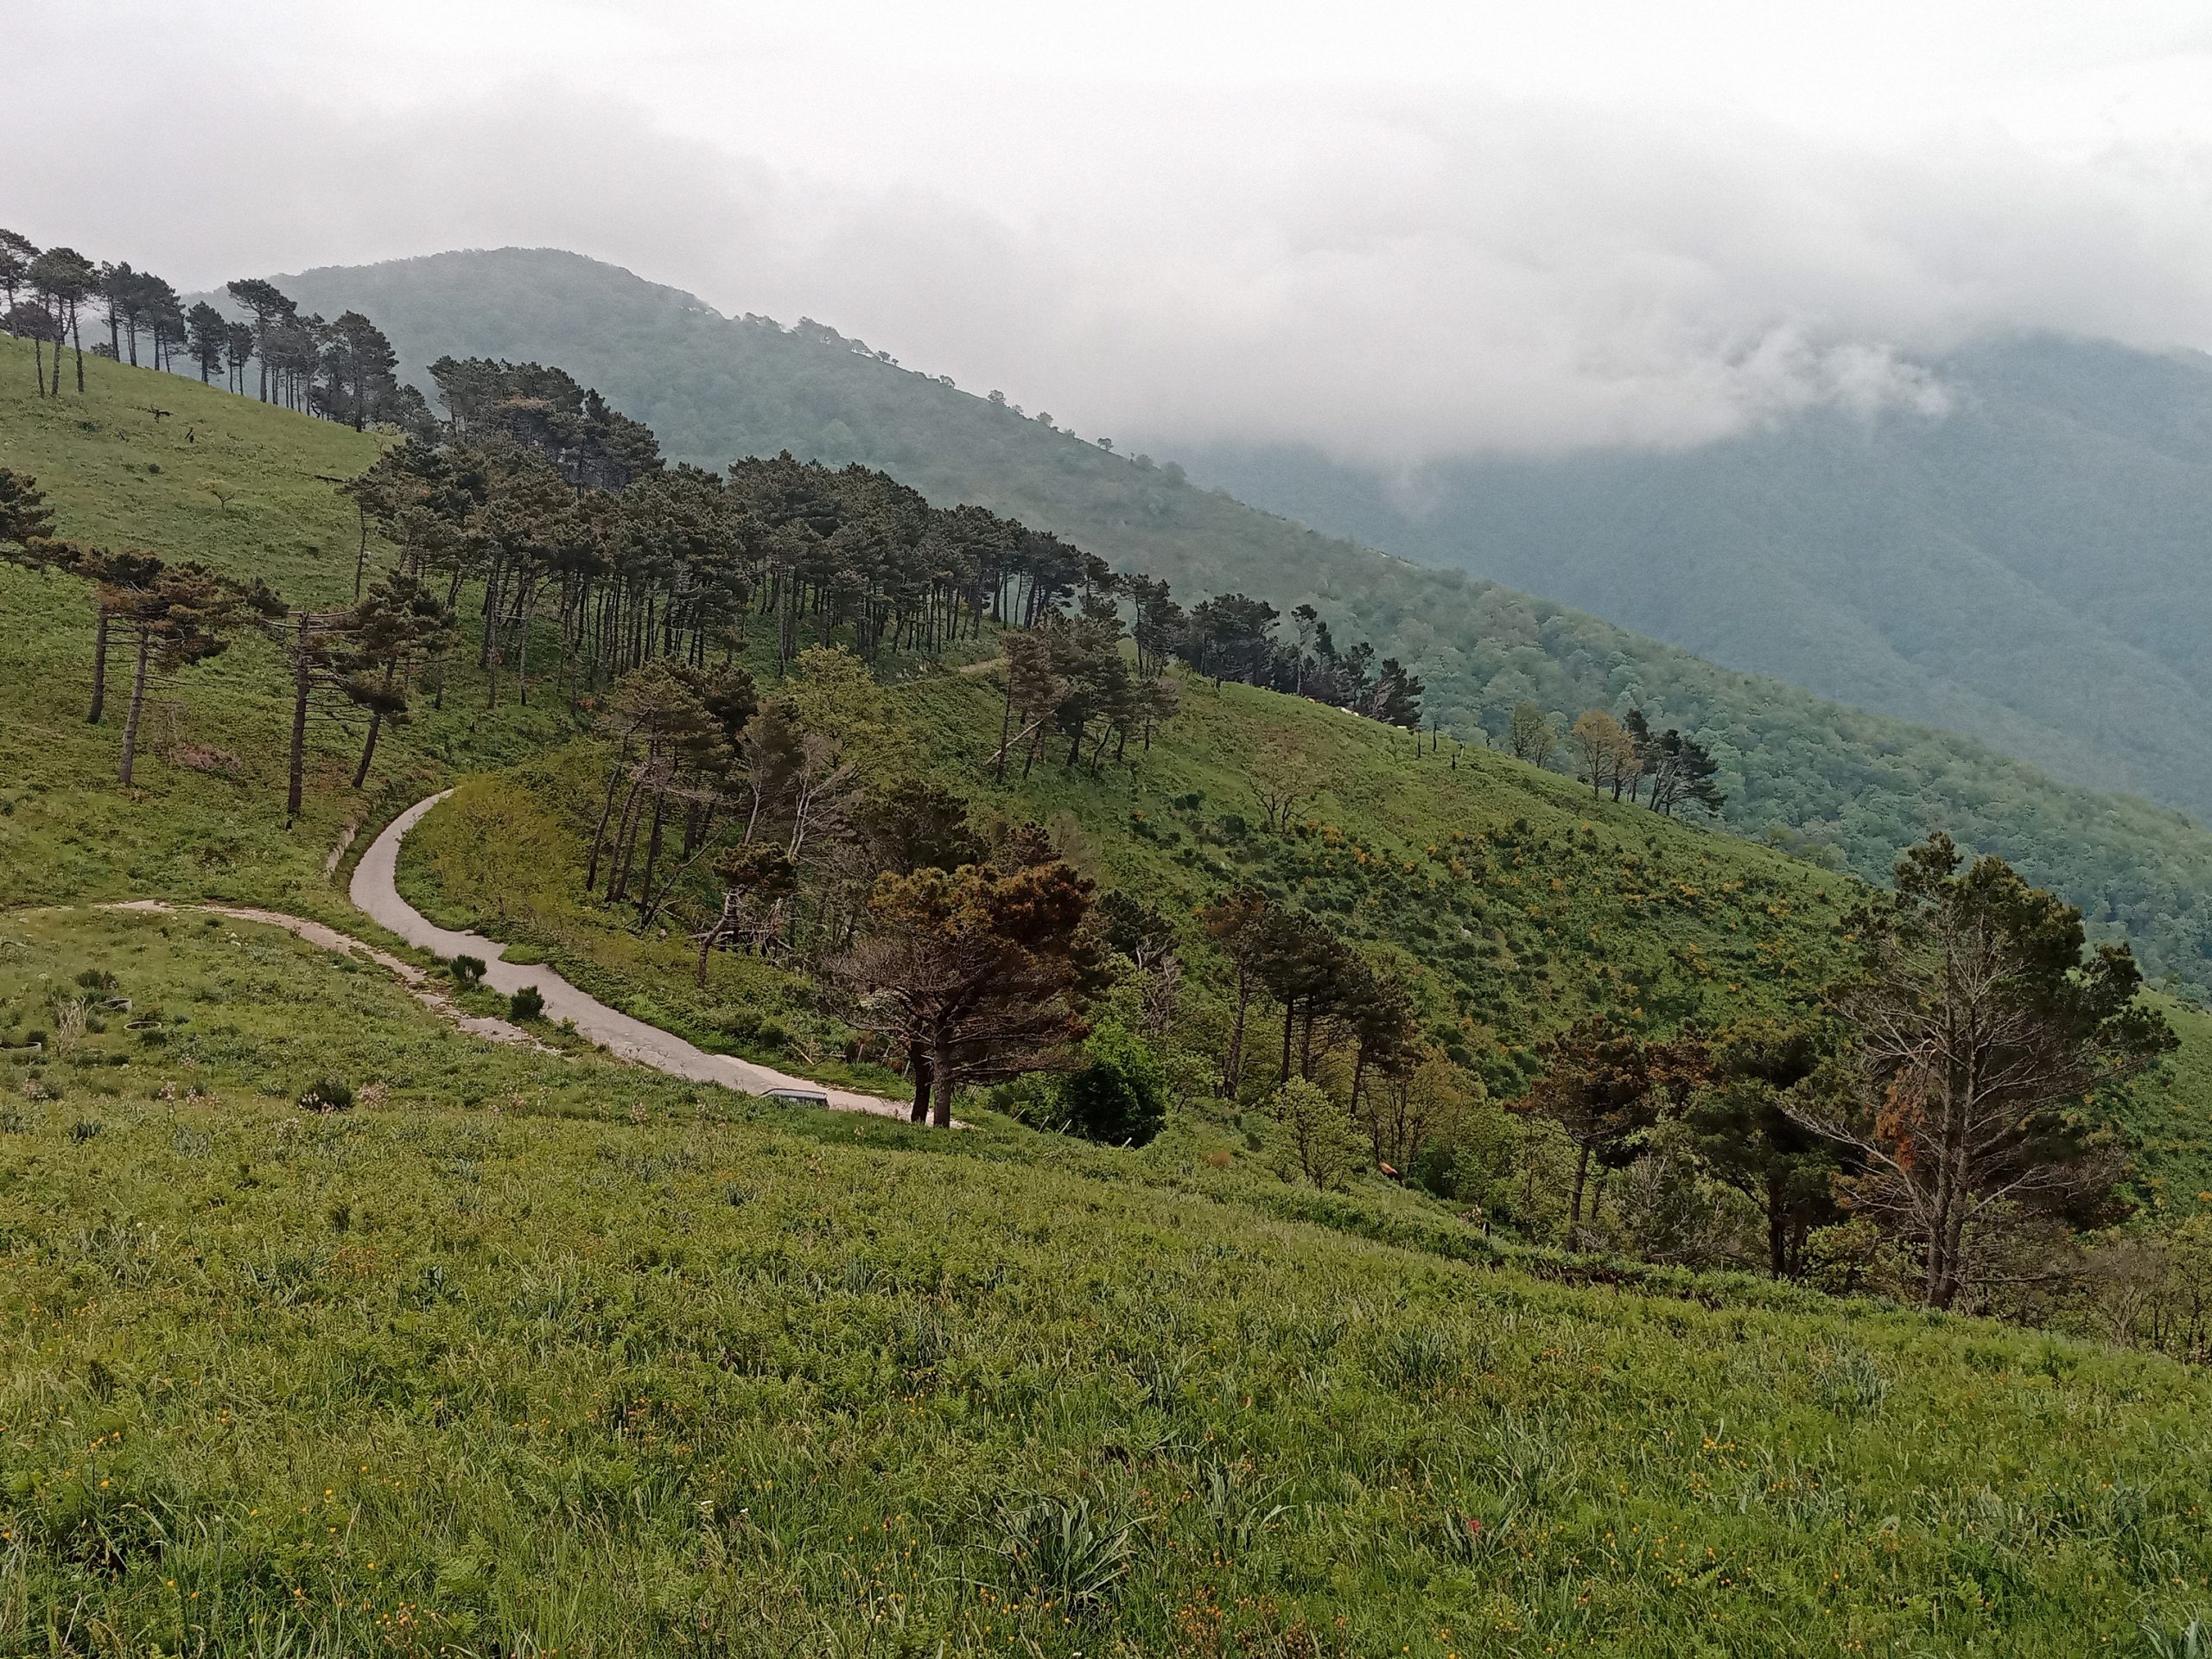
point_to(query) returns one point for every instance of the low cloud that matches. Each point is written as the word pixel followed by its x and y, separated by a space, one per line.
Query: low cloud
pixel 1391 276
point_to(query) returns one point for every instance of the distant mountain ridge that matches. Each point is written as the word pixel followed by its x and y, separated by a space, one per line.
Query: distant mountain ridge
pixel 1823 779
pixel 2027 567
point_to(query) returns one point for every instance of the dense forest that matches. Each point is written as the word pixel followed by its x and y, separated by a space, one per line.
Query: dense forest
pixel 1819 778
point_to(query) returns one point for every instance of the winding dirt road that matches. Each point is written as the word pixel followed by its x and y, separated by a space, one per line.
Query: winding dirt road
pixel 376 892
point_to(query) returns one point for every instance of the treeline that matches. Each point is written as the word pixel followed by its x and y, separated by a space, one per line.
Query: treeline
pixel 342 370
pixel 1942 1125
pixel 1624 755
pixel 1233 637
pixel 563 513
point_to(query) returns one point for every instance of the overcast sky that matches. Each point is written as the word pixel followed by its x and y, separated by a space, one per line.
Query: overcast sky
pixel 1393 230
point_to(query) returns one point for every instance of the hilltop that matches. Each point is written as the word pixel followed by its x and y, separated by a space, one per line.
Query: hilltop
pixel 1820 776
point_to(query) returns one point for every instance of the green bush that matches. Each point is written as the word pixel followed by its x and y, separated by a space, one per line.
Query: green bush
pixel 527 1003
pixel 467 971
pixel 1119 1094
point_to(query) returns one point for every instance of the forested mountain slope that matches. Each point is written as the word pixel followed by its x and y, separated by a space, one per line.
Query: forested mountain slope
pixel 1826 776
pixel 2025 565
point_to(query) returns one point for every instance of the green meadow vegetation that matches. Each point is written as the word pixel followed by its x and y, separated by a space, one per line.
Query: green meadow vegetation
pixel 525 1356
pixel 525 1351
pixel 248 489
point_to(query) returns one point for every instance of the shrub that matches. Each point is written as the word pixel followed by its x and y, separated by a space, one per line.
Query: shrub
pixel 326 1095
pixel 1855 1258
pixel 527 1003
pixel 1119 1094
pixel 1318 1140
pixel 467 971
pixel 1032 1100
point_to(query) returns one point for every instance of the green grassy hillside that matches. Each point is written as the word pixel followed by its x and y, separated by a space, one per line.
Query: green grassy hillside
pixel 1858 787
pixel 535 1353
pixel 245 487
pixel 1587 904
pixel 1515 901
pixel 535 1356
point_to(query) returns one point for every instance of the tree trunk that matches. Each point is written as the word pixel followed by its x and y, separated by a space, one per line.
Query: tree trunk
pixel 712 936
pixel 918 1061
pixel 626 844
pixel 940 1091
pixel 1232 1062
pixel 1574 1208
pixel 296 786
pixel 521 650
pixel 1777 1230
pixel 100 668
pixel 137 702
pixel 1939 1285
pixel 653 856
pixel 369 748
pixel 1005 727
pixel 77 344
pixel 605 812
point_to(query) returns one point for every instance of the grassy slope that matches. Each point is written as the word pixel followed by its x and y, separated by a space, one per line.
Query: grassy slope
pixel 1861 785
pixel 762 1374
pixel 533 1355
pixel 1515 902
pixel 118 477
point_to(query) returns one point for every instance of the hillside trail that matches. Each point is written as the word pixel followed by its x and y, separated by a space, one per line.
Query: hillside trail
pixel 417 982
pixel 375 892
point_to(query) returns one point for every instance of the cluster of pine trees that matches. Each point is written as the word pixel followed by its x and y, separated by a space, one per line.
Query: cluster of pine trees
pixel 342 370
pixel 561 511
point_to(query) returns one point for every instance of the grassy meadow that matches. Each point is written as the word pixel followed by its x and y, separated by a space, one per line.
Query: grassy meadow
pixel 534 1353
pixel 247 488
pixel 526 1356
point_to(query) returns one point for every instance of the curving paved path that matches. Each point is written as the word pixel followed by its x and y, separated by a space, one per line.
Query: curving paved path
pixel 375 892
